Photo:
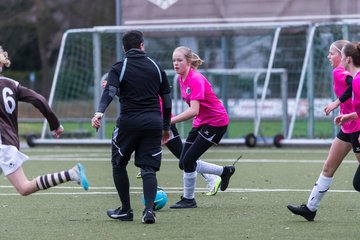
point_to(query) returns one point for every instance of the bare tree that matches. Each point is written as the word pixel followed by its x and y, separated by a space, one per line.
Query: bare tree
pixel 32 30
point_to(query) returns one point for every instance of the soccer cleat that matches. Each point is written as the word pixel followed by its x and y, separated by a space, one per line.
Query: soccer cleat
pixel 80 176
pixel 303 211
pixel 120 214
pixel 214 188
pixel 149 217
pixel 225 177
pixel 185 203
pixel 138 176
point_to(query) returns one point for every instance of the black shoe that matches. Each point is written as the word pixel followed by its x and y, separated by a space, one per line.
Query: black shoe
pixel 225 177
pixel 185 203
pixel 120 214
pixel 303 211
pixel 149 217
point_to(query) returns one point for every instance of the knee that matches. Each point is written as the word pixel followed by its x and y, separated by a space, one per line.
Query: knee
pixel 147 171
pixel 23 190
pixel 118 166
pixel 328 170
pixel 189 166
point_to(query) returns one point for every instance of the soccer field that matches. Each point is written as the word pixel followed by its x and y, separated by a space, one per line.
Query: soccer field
pixel 253 207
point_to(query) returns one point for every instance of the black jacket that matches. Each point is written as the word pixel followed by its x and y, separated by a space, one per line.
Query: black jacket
pixel 139 82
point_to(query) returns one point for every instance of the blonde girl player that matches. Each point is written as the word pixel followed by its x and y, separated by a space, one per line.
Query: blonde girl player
pixel 11 159
pixel 346 139
pixel 175 146
pixel 210 121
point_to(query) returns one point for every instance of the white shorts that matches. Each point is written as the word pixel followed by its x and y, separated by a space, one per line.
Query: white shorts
pixel 11 159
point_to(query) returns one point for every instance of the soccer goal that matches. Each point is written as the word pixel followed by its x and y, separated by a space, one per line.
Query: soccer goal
pixel 263 72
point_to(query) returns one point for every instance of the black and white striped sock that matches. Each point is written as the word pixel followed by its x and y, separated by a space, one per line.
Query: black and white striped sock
pixel 50 180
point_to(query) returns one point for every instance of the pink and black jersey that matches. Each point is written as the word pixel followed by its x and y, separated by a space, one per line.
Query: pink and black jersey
pixel 212 111
pixel 11 93
pixel 340 86
pixel 356 93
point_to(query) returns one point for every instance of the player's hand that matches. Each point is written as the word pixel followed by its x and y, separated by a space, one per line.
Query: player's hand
pixel 340 119
pixel 103 83
pixel 96 120
pixel 330 107
pixel 165 137
pixel 57 133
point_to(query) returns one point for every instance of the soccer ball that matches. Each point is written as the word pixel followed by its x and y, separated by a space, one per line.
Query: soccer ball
pixel 160 199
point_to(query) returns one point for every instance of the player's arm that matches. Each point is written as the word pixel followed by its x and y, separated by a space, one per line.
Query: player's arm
pixel 189 113
pixel 107 96
pixel 166 107
pixel 39 102
pixel 345 96
pixel 348 92
pixel 166 101
pixel 340 119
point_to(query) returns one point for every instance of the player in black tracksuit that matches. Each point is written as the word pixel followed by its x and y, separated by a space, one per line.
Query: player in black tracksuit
pixel 140 128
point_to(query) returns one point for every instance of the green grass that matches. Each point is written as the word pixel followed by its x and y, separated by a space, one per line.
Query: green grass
pixel 266 180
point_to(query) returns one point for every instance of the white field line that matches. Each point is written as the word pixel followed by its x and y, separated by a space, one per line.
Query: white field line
pixel 87 159
pixel 138 190
pixel 165 151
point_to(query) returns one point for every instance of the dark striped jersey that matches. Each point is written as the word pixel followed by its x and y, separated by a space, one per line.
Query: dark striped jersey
pixel 11 93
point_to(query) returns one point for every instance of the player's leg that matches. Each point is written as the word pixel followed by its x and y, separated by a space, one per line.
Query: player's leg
pixel 338 151
pixel 187 163
pixel 11 164
pixel 213 135
pixel 356 180
pixel 356 150
pixel 148 158
pixel 26 187
pixel 122 147
pixel 21 183
pixel 175 146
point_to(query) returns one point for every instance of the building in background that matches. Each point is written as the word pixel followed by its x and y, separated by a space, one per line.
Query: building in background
pixel 229 11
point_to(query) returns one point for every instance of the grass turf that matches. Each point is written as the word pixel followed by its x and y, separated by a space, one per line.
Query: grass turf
pixel 266 180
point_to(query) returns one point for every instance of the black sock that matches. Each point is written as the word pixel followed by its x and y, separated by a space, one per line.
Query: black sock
pixel 149 186
pixel 121 181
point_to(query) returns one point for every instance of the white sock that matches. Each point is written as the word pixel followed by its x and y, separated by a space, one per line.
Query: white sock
pixel 189 185
pixel 209 178
pixel 205 167
pixel 321 186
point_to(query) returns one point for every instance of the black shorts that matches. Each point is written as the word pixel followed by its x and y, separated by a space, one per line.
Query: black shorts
pixel 210 133
pixel 146 143
pixel 350 138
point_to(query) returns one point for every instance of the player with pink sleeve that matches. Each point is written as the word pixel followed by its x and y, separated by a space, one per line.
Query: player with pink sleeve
pixel 210 122
pixel 212 111
pixel 346 139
